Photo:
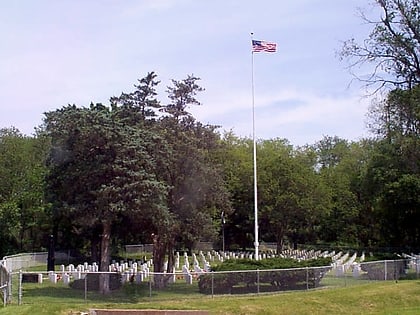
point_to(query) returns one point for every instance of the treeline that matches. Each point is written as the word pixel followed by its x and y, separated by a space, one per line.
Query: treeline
pixel 137 171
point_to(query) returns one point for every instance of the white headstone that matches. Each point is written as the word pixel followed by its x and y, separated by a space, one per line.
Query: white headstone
pixel 52 276
pixel 66 278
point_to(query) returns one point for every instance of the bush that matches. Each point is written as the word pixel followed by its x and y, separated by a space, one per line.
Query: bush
pixel 275 274
pixel 261 281
pixel 272 263
pixel 382 256
pixel 377 271
pixel 93 282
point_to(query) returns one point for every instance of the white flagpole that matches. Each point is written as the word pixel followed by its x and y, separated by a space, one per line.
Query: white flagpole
pixel 256 242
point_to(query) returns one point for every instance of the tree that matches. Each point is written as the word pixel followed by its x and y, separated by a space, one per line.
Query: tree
pixel 120 164
pixel 238 175
pixel 401 227
pixel 196 189
pixel 100 170
pixel 182 94
pixel 22 206
pixel 292 195
pixel 397 116
pixel 142 102
pixel 342 165
pixel 393 46
pixel 392 186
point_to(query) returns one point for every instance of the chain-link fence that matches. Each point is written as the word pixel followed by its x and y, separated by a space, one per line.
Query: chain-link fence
pixel 137 285
pixel 4 282
pixel 9 264
pixel 24 261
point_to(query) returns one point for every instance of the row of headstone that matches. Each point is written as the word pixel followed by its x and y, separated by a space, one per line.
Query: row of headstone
pixel 345 264
pixel 81 267
pixel 337 256
pixel 338 263
pixel 203 260
pixel 132 271
pixel 201 263
pixel 129 270
pixel 302 254
pixel 124 266
pixel 348 264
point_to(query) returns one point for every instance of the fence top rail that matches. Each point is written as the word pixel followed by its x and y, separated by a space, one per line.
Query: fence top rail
pixel 383 261
pixel 273 270
pixel 24 255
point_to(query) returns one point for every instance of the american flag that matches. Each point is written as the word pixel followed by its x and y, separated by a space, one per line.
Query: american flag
pixel 260 45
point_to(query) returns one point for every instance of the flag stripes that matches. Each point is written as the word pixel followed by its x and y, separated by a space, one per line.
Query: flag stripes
pixel 263 46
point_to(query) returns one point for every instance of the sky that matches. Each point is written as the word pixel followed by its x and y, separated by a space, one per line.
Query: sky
pixel 54 53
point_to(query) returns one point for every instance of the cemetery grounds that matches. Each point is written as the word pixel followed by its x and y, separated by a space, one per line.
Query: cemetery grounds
pixel 341 290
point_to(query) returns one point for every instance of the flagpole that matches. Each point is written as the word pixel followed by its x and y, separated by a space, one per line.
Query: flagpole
pixel 256 242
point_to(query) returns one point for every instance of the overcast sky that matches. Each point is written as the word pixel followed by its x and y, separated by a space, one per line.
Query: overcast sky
pixel 54 53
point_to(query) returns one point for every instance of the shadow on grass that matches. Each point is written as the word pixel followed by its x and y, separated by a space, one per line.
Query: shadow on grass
pixel 128 293
pixel 61 293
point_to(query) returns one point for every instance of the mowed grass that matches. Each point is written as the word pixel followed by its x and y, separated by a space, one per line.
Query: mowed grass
pixel 388 297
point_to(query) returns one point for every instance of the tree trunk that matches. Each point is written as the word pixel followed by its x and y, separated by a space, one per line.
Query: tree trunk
pixel 280 239
pixel 170 252
pixel 94 248
pixel 105 257
pixel 159 250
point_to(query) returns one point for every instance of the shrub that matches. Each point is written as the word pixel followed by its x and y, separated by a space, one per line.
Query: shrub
pixel 272 263
pixel 275 274
pixel 377 271
pixel 93 282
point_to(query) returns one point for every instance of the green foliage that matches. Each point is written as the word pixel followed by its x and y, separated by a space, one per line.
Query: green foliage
pixel 292 195
pixel 341 165
pixel 91 283
pixel 237 166
pixel 182 94
pixel 196 188
pixel 393 47
pixel 267 275
pixel 272 263
pixel 22 206
pixel 115 168
pixel 101 170
pixel 379 256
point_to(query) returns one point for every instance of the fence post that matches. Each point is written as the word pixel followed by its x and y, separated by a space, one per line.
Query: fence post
pixel 258 281
pixel 417 267
pixel 386 271
pixel 395 271
pixel 86 287
pixel 150 287
pixel 20 288
pixel 212 284
pixel 9 287
pixel 307 278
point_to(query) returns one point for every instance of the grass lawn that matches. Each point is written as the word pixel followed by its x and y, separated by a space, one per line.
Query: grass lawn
pixel 387 297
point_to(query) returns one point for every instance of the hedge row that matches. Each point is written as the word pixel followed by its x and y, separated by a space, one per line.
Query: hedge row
pixel 272 263
pixel 261 281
